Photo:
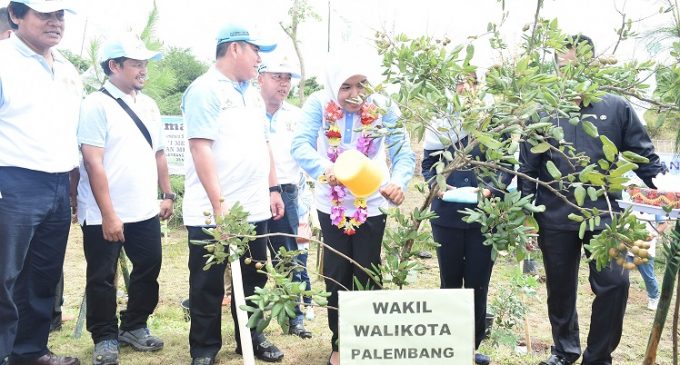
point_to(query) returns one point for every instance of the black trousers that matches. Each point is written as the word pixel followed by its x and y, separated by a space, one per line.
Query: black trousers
pixel 143 248
pixel 206 291
pixel 561 257
pixel 364 247
pixel 465 262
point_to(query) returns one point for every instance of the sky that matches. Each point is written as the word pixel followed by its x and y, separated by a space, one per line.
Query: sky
pixel 194 24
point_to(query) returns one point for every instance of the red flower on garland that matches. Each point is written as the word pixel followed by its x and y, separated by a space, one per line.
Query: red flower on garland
pixel 369 113
pixel 331 133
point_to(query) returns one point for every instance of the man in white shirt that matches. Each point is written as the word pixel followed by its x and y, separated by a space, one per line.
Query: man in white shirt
pixel 40 94
pixel 121 139
pixel 229 161
pixel 275 80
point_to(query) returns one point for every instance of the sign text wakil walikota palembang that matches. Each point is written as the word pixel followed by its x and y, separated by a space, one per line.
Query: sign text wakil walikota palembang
pixel 407 327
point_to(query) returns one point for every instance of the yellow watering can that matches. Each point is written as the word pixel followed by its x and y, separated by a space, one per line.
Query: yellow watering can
pixel 361 175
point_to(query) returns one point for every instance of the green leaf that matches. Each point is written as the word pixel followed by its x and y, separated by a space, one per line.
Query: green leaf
pixel 582 230
pixel 604 164
pixel 580 195
pixel 592 193
pixel 609 148
pixel 623 168
pixel 540 148
pixel 575 217
pixel 488 141
pixel 589 128
pixel 634 157
pixel 553 171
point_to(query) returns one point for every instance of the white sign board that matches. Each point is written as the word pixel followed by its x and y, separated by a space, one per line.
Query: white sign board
pixel 428 326
pixel 671 161
pixel 173 128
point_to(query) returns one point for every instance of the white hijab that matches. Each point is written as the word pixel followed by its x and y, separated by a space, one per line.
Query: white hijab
pixel 339 68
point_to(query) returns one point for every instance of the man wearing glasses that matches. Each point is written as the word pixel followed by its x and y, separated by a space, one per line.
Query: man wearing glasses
pixel 275 80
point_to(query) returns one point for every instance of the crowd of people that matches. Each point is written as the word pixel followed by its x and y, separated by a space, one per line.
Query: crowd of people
pixel 103 155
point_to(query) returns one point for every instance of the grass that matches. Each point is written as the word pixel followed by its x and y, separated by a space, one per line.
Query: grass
pixel 168 320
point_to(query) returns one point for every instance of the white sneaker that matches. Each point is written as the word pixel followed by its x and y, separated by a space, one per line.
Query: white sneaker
pixel 309 314
pixel 653 303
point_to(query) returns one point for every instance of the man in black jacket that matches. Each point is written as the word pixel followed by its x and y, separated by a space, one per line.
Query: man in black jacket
pixel 558 236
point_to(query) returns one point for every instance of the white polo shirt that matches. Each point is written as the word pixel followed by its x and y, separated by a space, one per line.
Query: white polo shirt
pixel 233 116
pixel 129 161
pixel 39 108
pixel 281 131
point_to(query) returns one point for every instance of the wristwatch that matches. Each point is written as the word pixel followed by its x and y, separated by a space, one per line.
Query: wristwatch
pixel 276 188
pixel 171 196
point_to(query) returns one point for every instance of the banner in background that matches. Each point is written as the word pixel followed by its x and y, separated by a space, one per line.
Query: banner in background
pixel 174 143
pixel 671 161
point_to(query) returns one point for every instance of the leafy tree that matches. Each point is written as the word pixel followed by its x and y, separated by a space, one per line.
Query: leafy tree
pixel 80 63
pixel 185 66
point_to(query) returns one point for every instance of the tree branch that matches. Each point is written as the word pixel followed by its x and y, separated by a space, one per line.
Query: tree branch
pixel 640 97
pixel 351 260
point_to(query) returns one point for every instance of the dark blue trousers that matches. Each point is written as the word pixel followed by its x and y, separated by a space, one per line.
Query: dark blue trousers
pixel 562 258
pixel 287 224
pixel 465 262
pixel 35 218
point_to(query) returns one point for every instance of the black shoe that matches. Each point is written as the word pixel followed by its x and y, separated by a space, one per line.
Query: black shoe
pixel 481 359
pixel 556 360
pixel 141 339
pixel 207 360
pixel 300 331
pixel 265 351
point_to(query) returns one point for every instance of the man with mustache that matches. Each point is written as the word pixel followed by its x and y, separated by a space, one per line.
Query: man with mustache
pixel 40 94
pixel 275 79
pixel 121 139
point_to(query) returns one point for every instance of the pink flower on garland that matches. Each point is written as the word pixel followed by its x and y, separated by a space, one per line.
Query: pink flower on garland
pixel 333 113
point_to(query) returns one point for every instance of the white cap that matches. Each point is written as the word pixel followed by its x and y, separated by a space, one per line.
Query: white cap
pixel 47 6
pixel 274 63
pixel 127 45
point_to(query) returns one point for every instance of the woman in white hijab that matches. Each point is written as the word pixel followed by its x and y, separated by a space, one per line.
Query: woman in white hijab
pixel 337 119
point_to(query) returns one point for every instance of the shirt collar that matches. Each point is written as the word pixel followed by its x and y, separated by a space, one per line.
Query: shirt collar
pixel 241 87
pixel 118 94
pixel 26 51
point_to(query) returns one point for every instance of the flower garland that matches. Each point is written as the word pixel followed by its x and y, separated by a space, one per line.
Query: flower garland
pixel 333 113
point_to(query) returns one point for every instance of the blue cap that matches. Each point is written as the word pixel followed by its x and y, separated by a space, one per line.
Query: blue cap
pixel 232 32
pixel 126 45
pixel 48 6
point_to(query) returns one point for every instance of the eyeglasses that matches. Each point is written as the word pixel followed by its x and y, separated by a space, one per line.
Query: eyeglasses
pixel 280 77
pixel 59 15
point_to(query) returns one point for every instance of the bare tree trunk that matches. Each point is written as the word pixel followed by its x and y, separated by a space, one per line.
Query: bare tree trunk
pixel 667 286
pixel 675 326
pixel 292 31
pixel 303 78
